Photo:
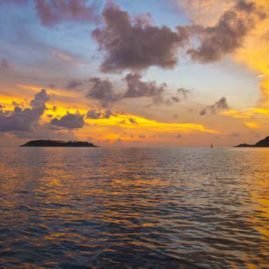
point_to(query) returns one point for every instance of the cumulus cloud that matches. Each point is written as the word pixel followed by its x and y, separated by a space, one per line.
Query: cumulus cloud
pixel 221 104
pixel 94 114
pixel 53 12
pixel 228 34
pixel 138 88
pixel 102 90
pixel 134 43
pixel 23 120
pixel 69 121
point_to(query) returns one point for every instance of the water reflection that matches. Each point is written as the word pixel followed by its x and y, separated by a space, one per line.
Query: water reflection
pixel 134 208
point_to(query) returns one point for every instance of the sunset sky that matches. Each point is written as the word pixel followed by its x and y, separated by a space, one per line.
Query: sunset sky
pixel 134 73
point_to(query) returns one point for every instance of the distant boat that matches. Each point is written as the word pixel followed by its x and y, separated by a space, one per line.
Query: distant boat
pixel 211 146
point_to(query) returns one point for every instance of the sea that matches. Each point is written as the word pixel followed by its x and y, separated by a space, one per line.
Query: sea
pixel 134 208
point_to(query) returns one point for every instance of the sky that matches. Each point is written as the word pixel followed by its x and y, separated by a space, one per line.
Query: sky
pixel 122 73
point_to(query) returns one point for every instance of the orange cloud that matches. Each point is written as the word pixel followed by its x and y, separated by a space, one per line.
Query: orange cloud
pixel 137 122
pixel 255 53
pixel 252 124
pixel 246 114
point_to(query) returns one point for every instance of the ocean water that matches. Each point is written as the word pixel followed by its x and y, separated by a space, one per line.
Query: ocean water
pixel 134 208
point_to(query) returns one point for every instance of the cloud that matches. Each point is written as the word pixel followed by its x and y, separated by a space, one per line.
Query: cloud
pixel 73 84
pixel 23 120
pixel 183 92
pixel 134 43
pixel 53 12
pixel 228 34
pixel 132 120
pixel 138 88
pixel 102 91
pixel 94 114
pixel 69 121
pixel 221 104
pixel 205 12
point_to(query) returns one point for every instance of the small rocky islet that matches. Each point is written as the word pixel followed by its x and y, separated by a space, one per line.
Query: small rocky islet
pixel 58 143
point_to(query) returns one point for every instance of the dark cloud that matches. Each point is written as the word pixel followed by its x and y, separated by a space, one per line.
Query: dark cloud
pixel 102 91
pixel 181 93
pixel 39 101
pixel 203 111
pixel 138 88
pixel 94 114
pixel 132 120
pixel 23 120
pixel 244 6
pixel 228 34
pixel 221 104
pixel 53 12
pixel 73 84
pixel 69 121
pixel 135 43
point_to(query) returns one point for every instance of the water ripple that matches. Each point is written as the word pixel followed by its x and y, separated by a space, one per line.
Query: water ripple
pixel 134 208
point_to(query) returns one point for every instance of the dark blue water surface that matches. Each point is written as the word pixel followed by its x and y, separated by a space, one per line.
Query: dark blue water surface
pixel 134 208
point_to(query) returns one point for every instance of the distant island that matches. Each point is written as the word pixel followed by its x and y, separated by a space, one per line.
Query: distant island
pixel 262 143
pixel 55 143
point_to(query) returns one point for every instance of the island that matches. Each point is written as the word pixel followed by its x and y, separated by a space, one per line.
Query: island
pixel 262 143
pixel 56 143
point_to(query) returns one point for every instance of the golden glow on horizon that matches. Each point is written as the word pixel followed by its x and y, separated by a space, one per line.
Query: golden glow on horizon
pixel 127 127
pixel 246 114
pixel 254 54
pixel 119 127
pixel 129 121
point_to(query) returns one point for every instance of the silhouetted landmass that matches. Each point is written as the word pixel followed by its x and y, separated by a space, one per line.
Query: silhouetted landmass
pixel 262 143
pixel 55 143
